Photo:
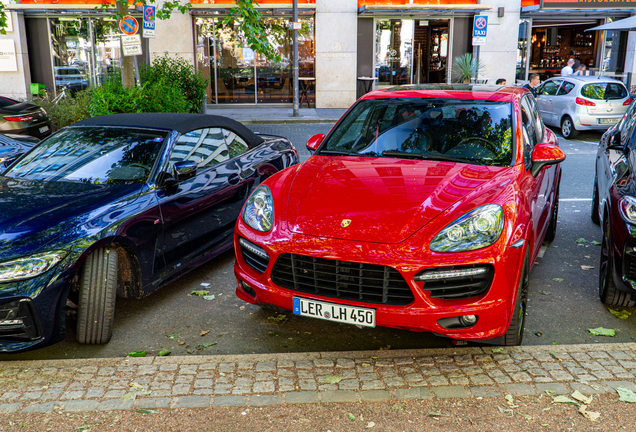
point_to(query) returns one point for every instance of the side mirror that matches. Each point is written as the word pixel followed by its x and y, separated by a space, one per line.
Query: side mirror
pixel 614 141
pixel 184 170
pixel 314 142
pixel 545 154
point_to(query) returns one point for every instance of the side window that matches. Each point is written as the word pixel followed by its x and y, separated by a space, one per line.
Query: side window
pixel 205 146
pixel 536 118
pixel 566 88
pixel 235 143
pixel 550 88
pixel 529 130
pixel 627 127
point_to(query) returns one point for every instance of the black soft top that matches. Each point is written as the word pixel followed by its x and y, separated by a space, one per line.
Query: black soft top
pixel 180 122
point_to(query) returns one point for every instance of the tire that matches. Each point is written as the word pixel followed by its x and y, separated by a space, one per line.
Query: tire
pixel 98 289
pixel 550 235
pixel 567 128
pixel 607 290
pixel 595 218
pixel 514 335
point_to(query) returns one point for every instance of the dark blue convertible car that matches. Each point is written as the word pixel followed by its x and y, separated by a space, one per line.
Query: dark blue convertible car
pixel 118 206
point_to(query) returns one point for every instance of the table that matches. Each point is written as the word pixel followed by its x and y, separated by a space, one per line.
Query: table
pixel 304 88
pixel 367 83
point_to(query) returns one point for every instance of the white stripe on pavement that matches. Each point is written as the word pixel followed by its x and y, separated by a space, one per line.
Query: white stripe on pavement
pixel 575 199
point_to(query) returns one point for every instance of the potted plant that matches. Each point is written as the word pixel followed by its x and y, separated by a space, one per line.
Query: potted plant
pixel 465 68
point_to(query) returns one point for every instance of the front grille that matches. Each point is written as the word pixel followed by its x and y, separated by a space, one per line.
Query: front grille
pixel 459 287
pixel 343 280
pixel 254 255
pixel 18 322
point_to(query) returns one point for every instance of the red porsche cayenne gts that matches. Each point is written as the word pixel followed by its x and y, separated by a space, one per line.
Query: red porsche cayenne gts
pixel 423 209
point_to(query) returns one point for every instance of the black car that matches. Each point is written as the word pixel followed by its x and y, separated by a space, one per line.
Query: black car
pixel 11 148
pixel 614 207
pixel 23 118
pixel 119 206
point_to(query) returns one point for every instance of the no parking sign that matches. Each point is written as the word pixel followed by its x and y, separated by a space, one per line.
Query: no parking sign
pixel 129 25
pixel 149 21
pixel 480 26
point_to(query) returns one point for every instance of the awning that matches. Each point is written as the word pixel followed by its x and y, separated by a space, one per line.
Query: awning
pixel 624 24
pixel 419 9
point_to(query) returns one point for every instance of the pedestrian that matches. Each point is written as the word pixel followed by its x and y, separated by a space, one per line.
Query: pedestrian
pixel 569 69
pixel 501 81
pixel 580 70
pixel 533 83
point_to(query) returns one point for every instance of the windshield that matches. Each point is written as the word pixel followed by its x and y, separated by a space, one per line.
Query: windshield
pixel 95 155
pixel 604 91
pixel 463 130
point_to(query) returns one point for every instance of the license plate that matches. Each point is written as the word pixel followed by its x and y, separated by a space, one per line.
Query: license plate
pixel 608 120
pixel 44 129
pixel 334 312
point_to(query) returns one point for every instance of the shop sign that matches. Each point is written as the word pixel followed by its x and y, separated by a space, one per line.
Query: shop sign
pixel 131 45
pixel 8 60
pixel 149 21
pixel 588 4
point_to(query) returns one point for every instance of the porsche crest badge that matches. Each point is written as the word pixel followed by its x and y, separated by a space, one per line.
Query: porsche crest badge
pixel 345 223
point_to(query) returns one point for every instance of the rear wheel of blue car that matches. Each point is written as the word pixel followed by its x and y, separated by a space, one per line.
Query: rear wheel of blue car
pixel 98 289
pixel 607 290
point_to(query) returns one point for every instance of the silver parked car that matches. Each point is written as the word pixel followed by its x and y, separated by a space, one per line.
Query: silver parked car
pixel 576 103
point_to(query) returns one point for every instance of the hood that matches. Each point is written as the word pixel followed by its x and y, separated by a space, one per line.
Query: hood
pixel 386 200
pixel 33 213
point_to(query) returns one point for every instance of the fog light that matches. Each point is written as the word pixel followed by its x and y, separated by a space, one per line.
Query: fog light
pixel 18 321
pixel 256 250
pixel 468 320
pixel 448 274
pixel 248 289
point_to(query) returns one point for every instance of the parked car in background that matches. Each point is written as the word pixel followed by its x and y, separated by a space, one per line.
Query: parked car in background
pixel 23 118
pixel 422 209
pixel 614 207
pixel 11 149
pixel 118 206
pixel 578 103
pixel 71 77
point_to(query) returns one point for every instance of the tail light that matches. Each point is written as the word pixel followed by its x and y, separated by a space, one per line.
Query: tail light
pixel 581 101
pixel 628 102
pixel 18 118
pixel 58 78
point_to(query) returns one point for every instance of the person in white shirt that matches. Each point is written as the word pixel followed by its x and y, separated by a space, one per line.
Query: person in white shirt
pixel 568 70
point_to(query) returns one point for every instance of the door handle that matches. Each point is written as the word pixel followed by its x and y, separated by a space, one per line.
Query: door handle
pixel 233 179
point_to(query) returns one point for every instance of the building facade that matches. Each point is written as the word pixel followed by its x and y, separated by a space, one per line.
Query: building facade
pixel 346 47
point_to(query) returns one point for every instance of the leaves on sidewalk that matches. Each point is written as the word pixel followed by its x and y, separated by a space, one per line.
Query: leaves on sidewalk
pixel 497 350
pixel 581 397
pixel 591 415
pixel 351 416
pixel 278 318
pixel 626 395
pixel 208 297
pixel 580 240
pixel 199 293
pixel 602 331
pixel 564 399
pixel 587 267
pixel 596 243
pixel 558 279
pixel 332 379
pixel 136 354
pixel 622 314
pixel 163 352
pixel 546 293
pixel 204 332
pixel 173 335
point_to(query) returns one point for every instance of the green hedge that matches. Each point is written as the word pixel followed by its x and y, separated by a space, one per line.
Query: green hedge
pixel 167 85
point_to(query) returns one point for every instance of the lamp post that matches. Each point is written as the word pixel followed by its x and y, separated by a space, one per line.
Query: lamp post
pixel 295 63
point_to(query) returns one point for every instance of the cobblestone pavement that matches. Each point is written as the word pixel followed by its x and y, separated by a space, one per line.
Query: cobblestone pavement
pixel 274 379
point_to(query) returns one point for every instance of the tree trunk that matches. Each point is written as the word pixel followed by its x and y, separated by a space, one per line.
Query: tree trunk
pixel 128 67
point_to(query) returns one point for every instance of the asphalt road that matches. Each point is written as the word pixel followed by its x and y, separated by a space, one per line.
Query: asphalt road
pixel 560 311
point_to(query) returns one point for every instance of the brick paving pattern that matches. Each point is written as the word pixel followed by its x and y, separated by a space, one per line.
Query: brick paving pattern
pixel 270 379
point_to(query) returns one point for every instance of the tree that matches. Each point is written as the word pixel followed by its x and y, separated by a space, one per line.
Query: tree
pixel 249 20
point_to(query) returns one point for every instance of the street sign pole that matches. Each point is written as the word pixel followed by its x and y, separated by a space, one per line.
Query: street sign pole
pixel 295 63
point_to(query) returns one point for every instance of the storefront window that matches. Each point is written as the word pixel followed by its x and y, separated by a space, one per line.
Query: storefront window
pixel 522 49
pixel 239 75
pixel 614 51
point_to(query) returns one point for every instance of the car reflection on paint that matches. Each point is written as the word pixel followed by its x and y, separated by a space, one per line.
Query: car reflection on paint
pixel 119 206
pixel 423 209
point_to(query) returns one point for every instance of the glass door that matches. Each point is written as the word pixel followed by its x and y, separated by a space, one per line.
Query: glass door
pixel 394 52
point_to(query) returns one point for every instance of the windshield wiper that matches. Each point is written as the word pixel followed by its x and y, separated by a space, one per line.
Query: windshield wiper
pixel 429 156
pixel 335 152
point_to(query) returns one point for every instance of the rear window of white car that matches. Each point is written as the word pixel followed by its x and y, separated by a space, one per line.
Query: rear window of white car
pixel 604 91
pixel 69 71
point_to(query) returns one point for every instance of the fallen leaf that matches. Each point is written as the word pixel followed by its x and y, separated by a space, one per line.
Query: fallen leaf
pixel 242 308
pixel 163 352
pixel 506 411
pixel 626 395
pixel 622 314
pixel 601 331
pixel 539 334
pixel 545 292
pixel 558 279
pixel 272 334
pixel 278 318
pixel 549 392
pixel 351 417
pixel 136 354
pixel 145 411
pixel 564 399
pixel 437 414
pixel 332 379
pixel 525 416
pixel 581 397
pixel 385 348
pixel 370 425
pixel 208 297
pixel 497 350
pixel 208 345
pixel 591 415
pixel 580 240
pixel 181 342
pixel 365 365
pixel 200 293
pixel 587 267
pixel 129 397
pixel 595 243
pixel 173 335
pixel 136 386
pixel 510 399
pixel 204 332
pixel 374 357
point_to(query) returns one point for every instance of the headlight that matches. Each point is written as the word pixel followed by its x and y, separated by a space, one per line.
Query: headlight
pixel 29 267
pixel 627 205
pixel 259 209
pixel 477 229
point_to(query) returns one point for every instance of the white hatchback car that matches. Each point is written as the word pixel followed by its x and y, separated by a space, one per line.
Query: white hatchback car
pixel 576 103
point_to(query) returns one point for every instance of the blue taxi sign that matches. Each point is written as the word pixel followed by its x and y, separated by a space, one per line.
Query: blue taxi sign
pixel 480 26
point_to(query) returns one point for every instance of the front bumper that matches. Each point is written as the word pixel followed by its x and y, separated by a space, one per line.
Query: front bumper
pixel 493 307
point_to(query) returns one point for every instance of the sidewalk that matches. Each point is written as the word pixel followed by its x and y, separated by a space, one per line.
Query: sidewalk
pixel 275 114
pixel 300 378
